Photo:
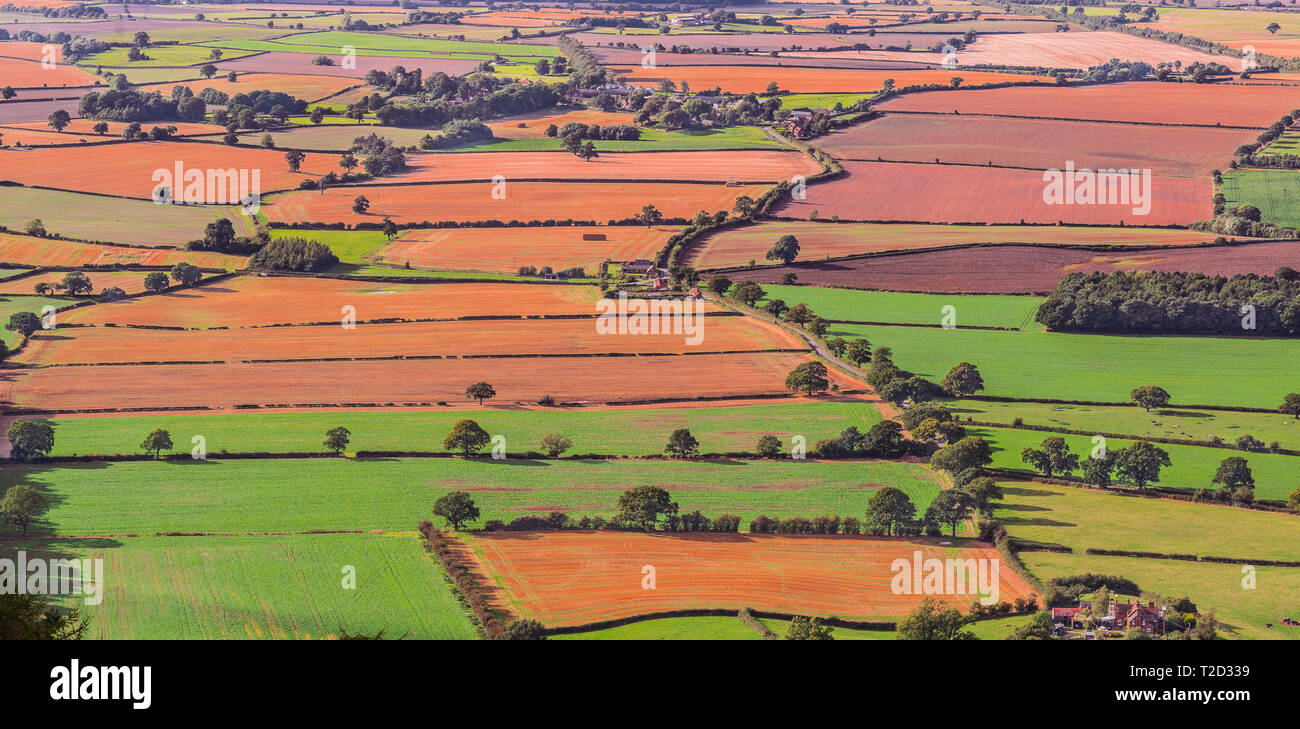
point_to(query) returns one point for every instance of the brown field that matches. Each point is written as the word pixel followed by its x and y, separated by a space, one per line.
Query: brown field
pixel 752 79
pixel 10 137
pixel 1139 101
pixel 738 166
pixel 1012 269
pixel 575 578
pixel 738 246
pixel 45 252
pixel 706 41
pixel 533 126
pixel 116 345
pixel 504 250
pixel 21 73
pixel 524 201
pixel 127 169
pixel 516 379
pixel 131 282
pixel 304 86
pixel 960 194
pixel 1040 143
pixel 83 128
pixel 620 56
pixel 249 301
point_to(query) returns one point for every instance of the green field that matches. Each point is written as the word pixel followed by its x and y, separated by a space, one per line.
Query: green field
pixel 349 245
pixel 651 140
pixel 13 304
pixel 1217 586
pixel 368 43
pixel 1275 192
pixel 159 56
pixel 1193 466
pixel 1084 518
pixel 397 493
pixel 1288 144
pixel 1169 423
pixel 821 101
pixel 604 432
pixel 1098 368
pixel 891 307
pixel 204 588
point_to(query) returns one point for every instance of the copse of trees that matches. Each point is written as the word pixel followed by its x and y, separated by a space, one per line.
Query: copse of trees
pixel 293 254
pixel 129 105
pixel 446 98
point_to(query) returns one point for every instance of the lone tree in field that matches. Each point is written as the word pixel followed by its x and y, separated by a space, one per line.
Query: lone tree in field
pixel 803 628
pixel 769 446
pixel 644 505
pixel 1150 396
pixel 337 439
pixel 23 322
pixel 77 282
pixel 22 505
pixel 480 391
pixel 186 274
pixel 456 508
pixel 466 436
pixel 681 444
pixel 889 507
pixel 934 620
pixel 950 508
pixel 294 158
pixel 59 120
pixel 650 215
pixel 207 70
pixel 29 439
pixel 348 162
pixel 1140 463
pixel 809 378
pixel 1233 474
pixel 553 444
pixel 36 229
pixel 1053 458
pixel 156 442
pixel 1291 405
pixel 360 205
pixel 1272 28
pixel 785 250
pixel 962 380
pixel 156 281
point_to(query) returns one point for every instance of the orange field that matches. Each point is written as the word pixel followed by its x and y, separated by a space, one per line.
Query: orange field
pixel 42 137
pixel 739 166
pixel 381 382
pixel 752 79
pixel 132 282
pixel 128 169
pixel 30 50
pixel 534 125
pixel 738 246
pixel 424 339
pixel 84 127
pixel 303 86
pixel 524 201
pixel 249 301
pixel 20 73
pixel 44 252
pixel 566 578
pixel 504 250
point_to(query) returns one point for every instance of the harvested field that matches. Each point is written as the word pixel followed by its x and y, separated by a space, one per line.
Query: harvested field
pixel 250 301
pixel 533 126
pixel 424 339
pixel 524 201
pixel 722 41
pixel 84 128
pixel 504 250
pixel 754 79
pixel 1021 269
pixel 964 194
pixel 336 138
pixel 27 111
pixel 303 86
pixel 10 137
pixel 46 252
pixel 657 167
pixel 128 169
pixel 620 56
pixel 1038 143
pixel 739 246
pixel 283 62
pixel 574 578
pixel 1140 101
pixel 132 282
pixel 388 382
pixel 26 74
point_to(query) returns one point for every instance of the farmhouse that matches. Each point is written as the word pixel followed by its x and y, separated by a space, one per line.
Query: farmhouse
pixel 1121 616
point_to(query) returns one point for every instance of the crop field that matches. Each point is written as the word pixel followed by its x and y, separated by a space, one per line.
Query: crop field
pixel 305 86
pixel 571 579
pixel 144 498
pixel 504 250
pixel 132 282
pixel 523 201
pixel 876 191
pixel 287 588
pixel 897 308
pixel 251 301
pixel 1142 101
pixel 84 128
pixel 1275 192
pixel 337 138
pixel 652 140
pixel 1095 367
pixel 47 252
pixel 1038 143
pixel 739 246
pixel 754 79
pixel 1026 269
pixel 18 72
pixel 477 337
pixel 338 39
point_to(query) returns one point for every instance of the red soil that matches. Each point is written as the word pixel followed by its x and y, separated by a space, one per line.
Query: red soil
pixel 575 578
pixel 304 86
pixel 753 79
pixel 46 252
pixel 132 282
pixel 740 166
pixel 21 73
pixel 504 250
